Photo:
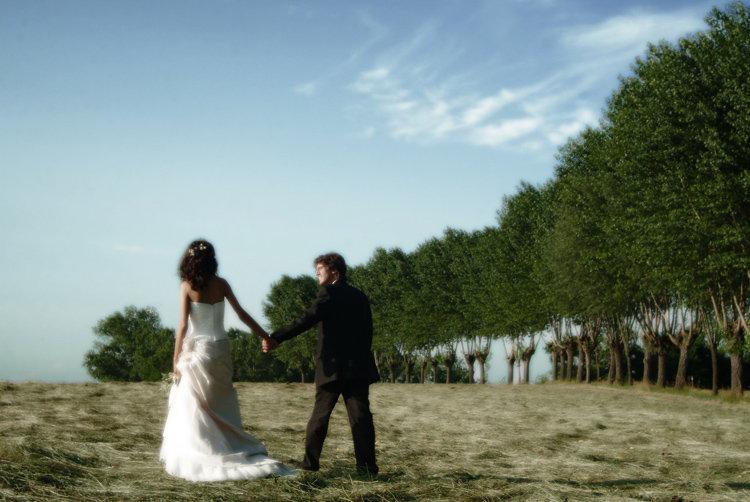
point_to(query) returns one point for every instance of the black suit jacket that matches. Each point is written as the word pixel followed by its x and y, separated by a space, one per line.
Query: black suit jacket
pixel 344 320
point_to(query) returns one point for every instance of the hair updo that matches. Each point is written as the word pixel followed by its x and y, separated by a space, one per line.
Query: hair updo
pixel 198 264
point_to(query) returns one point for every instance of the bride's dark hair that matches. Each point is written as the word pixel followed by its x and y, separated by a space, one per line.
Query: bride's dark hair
pixel 198 264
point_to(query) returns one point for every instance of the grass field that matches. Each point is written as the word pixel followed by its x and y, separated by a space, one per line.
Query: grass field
pixel 553 442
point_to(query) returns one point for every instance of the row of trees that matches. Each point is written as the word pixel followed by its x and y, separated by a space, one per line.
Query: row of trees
pixel 639 241
pixel 133 346
pixel 644 230
pixel 641 237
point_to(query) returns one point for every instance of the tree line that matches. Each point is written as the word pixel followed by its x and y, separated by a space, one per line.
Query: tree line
pixel 637 246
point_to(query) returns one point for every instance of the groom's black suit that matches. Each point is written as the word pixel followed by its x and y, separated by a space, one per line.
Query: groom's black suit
pixel 344 364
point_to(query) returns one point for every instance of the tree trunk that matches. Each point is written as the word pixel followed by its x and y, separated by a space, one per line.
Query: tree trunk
pixel 681 378
pixel 617 360
pixel 587 356
pixel 646 362
pixel 630 369
pixel 569 375
pixel 511 362
pixel 409 367
pixel 470 358
pixel 526 364
pixel 520 373
pixel 392 368
pixel 598 368
pixel 482 360
pixel 554 365
pixel 581 364
pixel 434 371
pixel 449 362
pixel 714 369
pixel 423 367
pixel 736 361
pixel 661 372
pixel 302 371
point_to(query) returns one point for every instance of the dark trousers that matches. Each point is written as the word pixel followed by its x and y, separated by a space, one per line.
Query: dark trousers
pixel 356 397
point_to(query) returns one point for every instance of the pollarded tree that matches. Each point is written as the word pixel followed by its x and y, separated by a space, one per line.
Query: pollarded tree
pixel 590 273
pixel 439 314
pixel 132 346
pixel 680 124
pixel 518 293
pixel 473 255
pixel 288 298
pixel 389 283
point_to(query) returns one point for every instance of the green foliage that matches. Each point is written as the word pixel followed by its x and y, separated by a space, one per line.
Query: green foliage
pixel 287 300
pixel 250 363
pixel 517 290
pixel 131 346
pixel 389 284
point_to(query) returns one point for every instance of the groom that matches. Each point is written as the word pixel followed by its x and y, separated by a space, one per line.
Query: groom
pixel 344 364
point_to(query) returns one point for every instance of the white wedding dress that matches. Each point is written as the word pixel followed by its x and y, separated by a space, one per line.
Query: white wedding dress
pixel 203 436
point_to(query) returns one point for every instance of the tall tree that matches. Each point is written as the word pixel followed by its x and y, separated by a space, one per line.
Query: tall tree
pixel 680 126
pixel 288 298
pixel 440 314
pixel 520 296
pixel 131 346
pixel 389 283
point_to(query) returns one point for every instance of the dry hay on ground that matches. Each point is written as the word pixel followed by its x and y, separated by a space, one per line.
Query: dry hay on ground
pixel 551 442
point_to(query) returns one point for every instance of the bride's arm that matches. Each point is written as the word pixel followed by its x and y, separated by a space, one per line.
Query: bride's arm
pixel 182 325
pixel 244 316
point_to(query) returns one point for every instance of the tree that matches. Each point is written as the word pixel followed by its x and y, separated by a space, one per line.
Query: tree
pixel 250 363
pixel 288 299
pixel 132 346
pixel 523 312
pixel 679 125
pixel 439 313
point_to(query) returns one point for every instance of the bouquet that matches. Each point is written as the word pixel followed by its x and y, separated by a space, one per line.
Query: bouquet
pixel 168 380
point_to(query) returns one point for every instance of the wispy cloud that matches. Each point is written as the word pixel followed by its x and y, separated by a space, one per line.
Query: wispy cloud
pixel 367 133
pixel 415 87
pixel 632 31
pixel 377 32
pixel 307 89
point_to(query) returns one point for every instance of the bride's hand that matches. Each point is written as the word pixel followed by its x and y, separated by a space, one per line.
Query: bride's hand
pixel 269 344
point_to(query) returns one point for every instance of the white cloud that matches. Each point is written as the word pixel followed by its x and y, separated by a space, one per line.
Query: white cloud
pixel 367 133
pixel 497 134
pixel 307 89
pixel 425 91
pixel 569 129
pixel 484 107
pixel 633 30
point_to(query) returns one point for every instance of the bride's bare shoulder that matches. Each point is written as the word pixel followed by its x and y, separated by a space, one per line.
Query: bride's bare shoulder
pixel 223 285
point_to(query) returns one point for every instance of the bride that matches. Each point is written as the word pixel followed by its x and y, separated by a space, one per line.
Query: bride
pixel 203 436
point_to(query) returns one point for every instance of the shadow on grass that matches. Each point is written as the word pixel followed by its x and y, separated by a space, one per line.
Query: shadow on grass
pixel 466 477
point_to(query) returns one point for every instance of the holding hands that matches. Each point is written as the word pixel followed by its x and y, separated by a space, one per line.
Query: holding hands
pixel 269 344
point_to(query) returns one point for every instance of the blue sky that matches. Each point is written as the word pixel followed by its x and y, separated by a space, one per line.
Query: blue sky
pixel 278 130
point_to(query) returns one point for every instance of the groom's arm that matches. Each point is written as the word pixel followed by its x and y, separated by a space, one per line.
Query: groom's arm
pixel 310 318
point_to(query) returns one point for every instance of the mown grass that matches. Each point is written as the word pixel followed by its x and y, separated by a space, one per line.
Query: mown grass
pixel 553 442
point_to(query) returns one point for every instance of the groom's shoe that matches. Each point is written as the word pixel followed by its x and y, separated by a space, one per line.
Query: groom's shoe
pixel 303 467
pixel 364 470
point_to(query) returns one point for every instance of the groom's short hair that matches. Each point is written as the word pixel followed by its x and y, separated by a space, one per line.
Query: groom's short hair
pixel 333 261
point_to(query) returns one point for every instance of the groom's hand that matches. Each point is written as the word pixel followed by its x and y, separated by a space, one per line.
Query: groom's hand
pixel 269 345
